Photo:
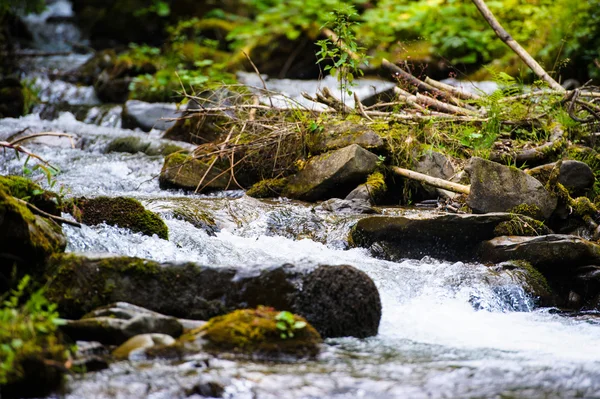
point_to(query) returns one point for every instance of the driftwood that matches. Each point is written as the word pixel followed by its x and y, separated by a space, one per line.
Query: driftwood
pixel 432 181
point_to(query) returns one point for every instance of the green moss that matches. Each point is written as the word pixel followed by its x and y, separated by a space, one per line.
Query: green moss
pixel 376 185
pixel 131 145
pixel 249 331
pixel 122 212
pixel 267 188
pixel 520 226
pixel 532 211
pixel 584 207
pixel 25 189
pixel 534 278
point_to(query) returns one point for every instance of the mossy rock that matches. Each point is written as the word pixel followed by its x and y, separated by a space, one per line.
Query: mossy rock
pixel 267 188
pixel 255 331
pixel 185 172
pixel 26 240
pixel 12 99
pixel 25 189
pixel 120 211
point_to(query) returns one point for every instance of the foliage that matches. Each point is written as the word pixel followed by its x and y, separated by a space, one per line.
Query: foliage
pixel 29 329
pixel 344 66
pixel 24 6
pixel 287 324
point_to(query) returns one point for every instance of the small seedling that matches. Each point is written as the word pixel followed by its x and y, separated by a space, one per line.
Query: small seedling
pixel 287 324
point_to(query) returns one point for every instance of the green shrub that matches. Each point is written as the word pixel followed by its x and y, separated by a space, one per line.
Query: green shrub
pixel 31 346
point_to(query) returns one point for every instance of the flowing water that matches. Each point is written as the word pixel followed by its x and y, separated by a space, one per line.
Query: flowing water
pixel 448 330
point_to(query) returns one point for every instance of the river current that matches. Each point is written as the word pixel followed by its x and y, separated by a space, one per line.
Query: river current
pixel 448 330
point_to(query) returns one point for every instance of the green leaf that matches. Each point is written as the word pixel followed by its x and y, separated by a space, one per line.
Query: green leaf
pixel 299 325
pixel 281 325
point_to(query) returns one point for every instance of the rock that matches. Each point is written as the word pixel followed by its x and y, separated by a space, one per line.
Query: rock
pixel 576 176
pixel 12 99
pixel 139 342
pixel 198 129
pixel 530 279
pixel 112 85
pixel 353 206
pixel 186 290
pixel 25 189
pixel 499 188
pixel 185 172
pixel 373 190
pixel 336 136
pixel 148 116
pixel 263 331
pixel 454 237
pixel 118 211
pixel 437 165
pixel 133 145
pixel 267 188
pixel 26 240
pixel 333 174
pixel 116 323
pixel 553 253
pixel 586 283
pixel 340 301
pixel 209 389
pixel 88 72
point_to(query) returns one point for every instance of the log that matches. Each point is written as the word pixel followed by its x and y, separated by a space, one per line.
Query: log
pixel 516 47
pixel 432 181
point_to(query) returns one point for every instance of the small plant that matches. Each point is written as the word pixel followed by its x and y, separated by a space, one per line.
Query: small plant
pixel 287 324
pixel 28 330
pixel 345 53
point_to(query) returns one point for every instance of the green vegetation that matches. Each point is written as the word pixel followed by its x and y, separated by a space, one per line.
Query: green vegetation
pixel 32 351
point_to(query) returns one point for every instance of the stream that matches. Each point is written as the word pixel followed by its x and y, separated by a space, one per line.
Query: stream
pixel 448 330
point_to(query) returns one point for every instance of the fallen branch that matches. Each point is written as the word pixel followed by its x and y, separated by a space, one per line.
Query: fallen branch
pixel 516 47
pixel 45 214
pixel 536 154
pixel 432 181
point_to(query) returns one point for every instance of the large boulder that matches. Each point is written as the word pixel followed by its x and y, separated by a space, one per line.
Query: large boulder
pixel 118 211
pixel 148 116
pixel 336 300
pixel 333 174
pixel 443 236
pixel 553 253
pixel 26 240
pixel 340 135
pixel 499 188
pixel 576 176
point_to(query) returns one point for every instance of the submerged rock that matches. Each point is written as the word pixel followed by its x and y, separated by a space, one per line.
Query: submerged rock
pixel 119 211
pixel 148 116
pixel 499 188
pixel 442 236
pixel 353 206
pixel 263 331
pixel 116 323
pixel 554 253
pixel 333 174
pixel 336 300
pixel 576 176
